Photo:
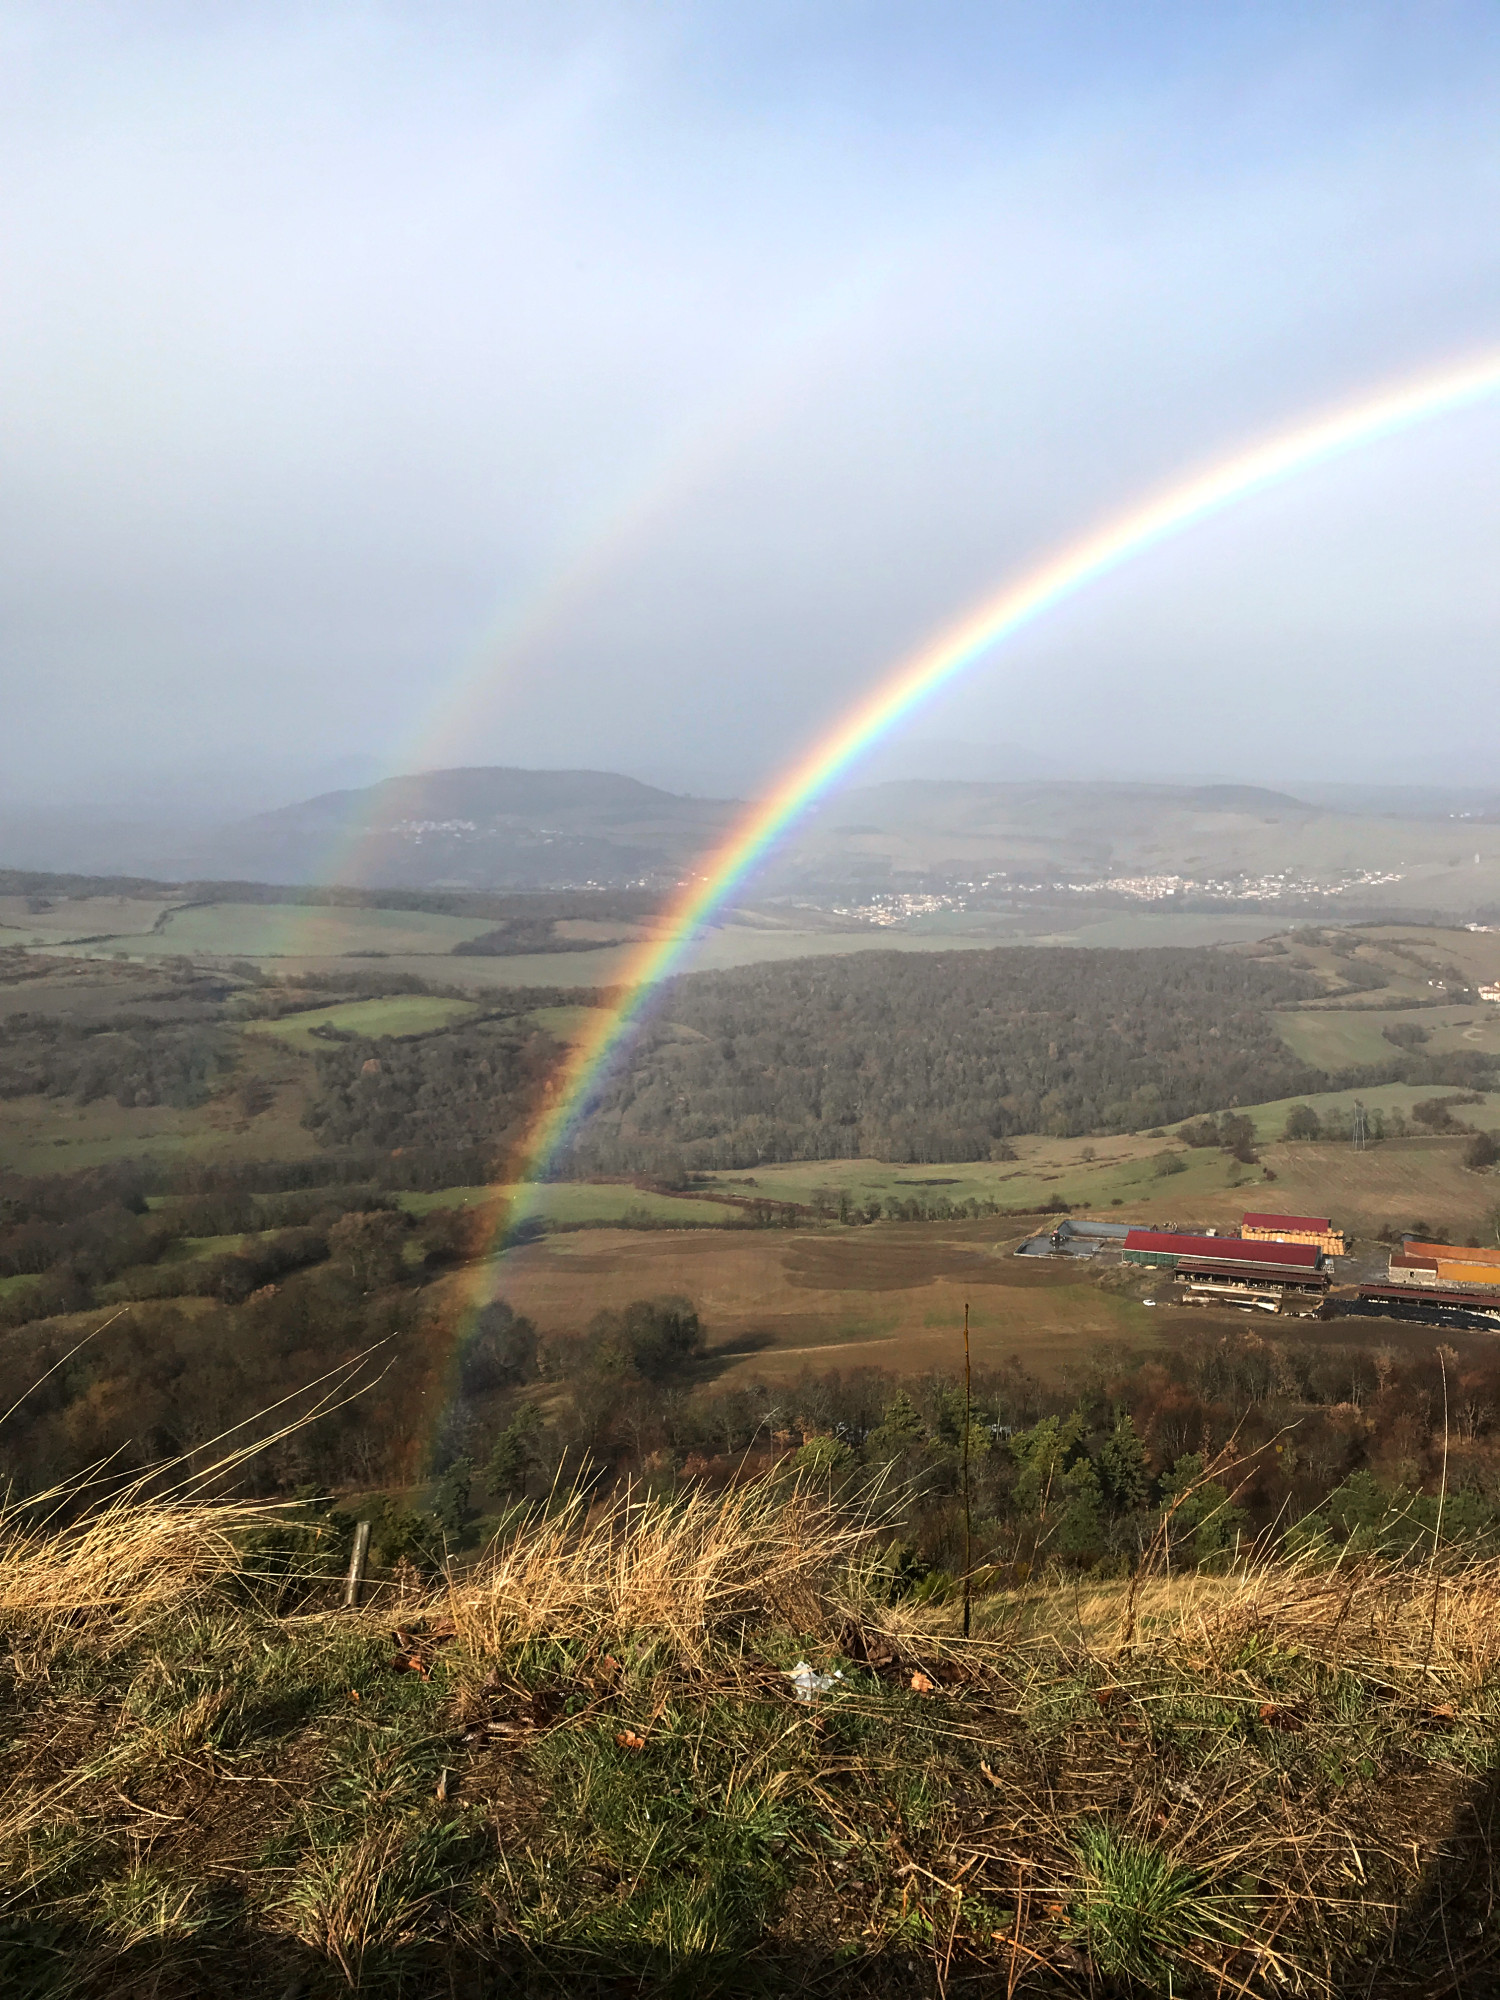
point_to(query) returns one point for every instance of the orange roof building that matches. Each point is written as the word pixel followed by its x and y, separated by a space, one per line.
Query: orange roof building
pixel 1314 1229
pixel 1454 1263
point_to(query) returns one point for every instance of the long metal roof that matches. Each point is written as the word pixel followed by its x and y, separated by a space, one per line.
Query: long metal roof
pixel 1164 1243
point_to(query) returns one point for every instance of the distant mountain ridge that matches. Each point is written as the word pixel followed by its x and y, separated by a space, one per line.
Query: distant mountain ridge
pixel 493 829
pixel 1069 827
pixel 486 827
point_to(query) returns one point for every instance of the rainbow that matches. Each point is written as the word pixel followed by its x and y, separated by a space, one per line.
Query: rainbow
pixel 941 660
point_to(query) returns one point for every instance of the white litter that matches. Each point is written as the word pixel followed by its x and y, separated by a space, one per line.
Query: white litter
pixel 806 1682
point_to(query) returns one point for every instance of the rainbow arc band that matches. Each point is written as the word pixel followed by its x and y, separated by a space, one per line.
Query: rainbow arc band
pixel 951 653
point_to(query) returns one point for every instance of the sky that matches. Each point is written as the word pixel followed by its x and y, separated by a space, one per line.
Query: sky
pixel 388 387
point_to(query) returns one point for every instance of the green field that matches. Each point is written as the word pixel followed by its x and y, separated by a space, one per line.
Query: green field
pixel 575 1202
pixel 283 930
pixel 1122 1172
pixel 566 1024
pixel 730 945
pixel 77 919
pixel 40 1135
pixel 1340 1038
pixel 1270 1119
pixel 188 1249
pixel 400 1014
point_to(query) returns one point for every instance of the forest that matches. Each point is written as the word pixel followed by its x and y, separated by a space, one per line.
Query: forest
pixel 941 1056
pixel 475 1085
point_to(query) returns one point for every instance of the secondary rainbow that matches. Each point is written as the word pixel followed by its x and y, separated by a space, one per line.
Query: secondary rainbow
pixel 952 652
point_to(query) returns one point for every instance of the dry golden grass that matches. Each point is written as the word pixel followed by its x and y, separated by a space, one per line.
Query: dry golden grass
pixel 115 1559
pixel 1399 1618
pixel 679 1572
pixel 119 1569
pixel 1272 1780
pixel 1307 1753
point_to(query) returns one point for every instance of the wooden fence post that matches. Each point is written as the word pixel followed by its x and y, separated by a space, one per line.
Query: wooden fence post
pixel 358 1556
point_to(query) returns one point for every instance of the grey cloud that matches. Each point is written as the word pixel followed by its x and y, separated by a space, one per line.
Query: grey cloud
pixel 584 386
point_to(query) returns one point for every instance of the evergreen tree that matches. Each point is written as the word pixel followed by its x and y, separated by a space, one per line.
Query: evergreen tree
pixel 824 1454
pixel 516 1454
pixel 1080 1528
pixel 949 1426
pixel 899 1431
pixel 450 1496
pixel 1204 1523
pixel 1042 1455
pixel 1123 1471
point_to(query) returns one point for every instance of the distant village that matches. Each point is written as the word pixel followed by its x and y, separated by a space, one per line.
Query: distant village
pixel 888 908
pixel 1285 1264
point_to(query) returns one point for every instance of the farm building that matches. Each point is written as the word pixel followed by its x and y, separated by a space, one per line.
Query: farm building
pixel 1169 1250
pixel 1078 1236
pixel 1225 1270
pixel 1448 1263
pixel 1490 993
pixel 1474 1312
pixel 1314 1229
pixel 1412 1270
pixel 1248 1279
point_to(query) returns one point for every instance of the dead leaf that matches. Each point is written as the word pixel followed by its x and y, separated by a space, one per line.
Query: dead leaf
pixel 442 1785
pixel 628 1740
pixel 1278 1718
pixel 411 1663
pixel 1105 1696
pixel 354 1694
pixel 920 1683
pixel 444 1629
pixel 989 1776
pixel 1054 1909
pixel 1442 1712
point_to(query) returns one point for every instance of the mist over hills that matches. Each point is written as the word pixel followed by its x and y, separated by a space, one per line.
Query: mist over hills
pixel 504 828
pixel 1065 827
pixel 479 828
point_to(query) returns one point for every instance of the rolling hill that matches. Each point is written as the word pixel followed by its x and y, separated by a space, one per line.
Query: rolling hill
pixel 481 828
pixel 502 828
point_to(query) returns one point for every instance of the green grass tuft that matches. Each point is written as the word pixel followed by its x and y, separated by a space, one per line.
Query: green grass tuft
pixel 1141 1916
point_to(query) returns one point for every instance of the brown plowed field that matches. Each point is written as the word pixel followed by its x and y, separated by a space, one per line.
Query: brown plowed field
pixel 888 1296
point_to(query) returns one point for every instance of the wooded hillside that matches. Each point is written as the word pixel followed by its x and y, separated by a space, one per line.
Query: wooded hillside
pixel 941 1056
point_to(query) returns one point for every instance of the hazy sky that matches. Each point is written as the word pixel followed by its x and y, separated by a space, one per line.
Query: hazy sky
pixel 627 385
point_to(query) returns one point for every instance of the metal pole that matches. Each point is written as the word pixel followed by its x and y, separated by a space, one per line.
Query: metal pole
pixel 968 1518
pixel 358 1556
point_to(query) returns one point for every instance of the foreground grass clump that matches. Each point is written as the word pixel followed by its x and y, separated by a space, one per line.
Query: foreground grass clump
pixel 582 1765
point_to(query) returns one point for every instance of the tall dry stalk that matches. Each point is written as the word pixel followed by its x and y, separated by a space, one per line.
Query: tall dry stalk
pixel 968 1509
pixel 114 1561
pixel 678 1571
pixel 122 1565
pixel 1437 1526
